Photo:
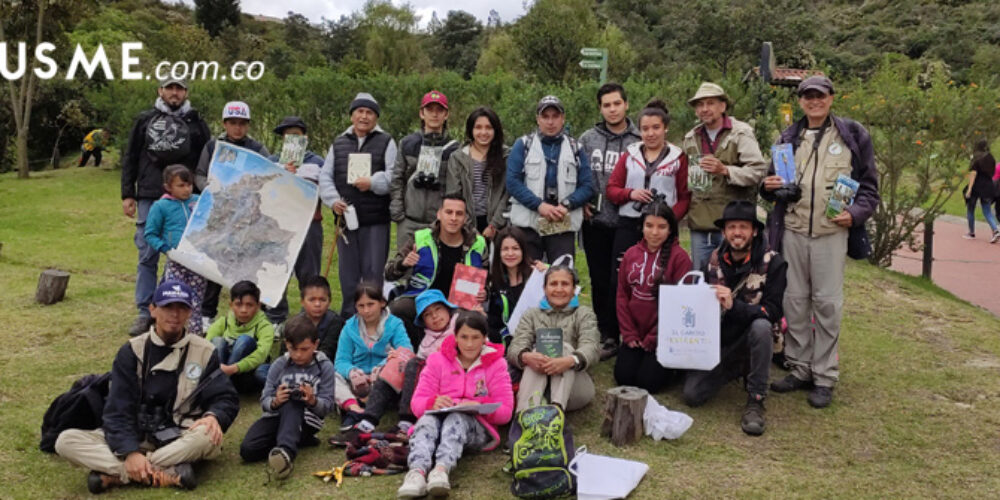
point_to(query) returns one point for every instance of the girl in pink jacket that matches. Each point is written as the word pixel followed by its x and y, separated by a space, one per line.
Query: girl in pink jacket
pixel 468 370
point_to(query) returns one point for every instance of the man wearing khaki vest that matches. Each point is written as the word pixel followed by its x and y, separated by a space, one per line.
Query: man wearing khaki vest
pixel 166 408
pixel 724 165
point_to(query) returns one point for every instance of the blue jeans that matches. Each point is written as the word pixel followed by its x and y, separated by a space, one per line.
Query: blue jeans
pixel 232 353
pixel 149 259
pixel 702 245
pixel 970 212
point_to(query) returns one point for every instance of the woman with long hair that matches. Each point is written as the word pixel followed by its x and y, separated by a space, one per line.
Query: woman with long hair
pixel 510 267
pixel 477 172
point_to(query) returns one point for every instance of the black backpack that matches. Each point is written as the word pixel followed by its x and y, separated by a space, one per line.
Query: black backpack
pixel 168 138
pixel 81 407
pixel 540 454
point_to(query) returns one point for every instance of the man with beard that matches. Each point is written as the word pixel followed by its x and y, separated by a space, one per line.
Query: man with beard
pixel 749 282
pixel 603 144
pixel 172 132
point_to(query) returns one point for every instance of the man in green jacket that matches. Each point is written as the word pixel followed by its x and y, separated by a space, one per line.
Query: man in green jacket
pixel 724 165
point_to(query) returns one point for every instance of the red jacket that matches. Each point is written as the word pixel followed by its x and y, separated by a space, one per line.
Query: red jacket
pixel 486 381
pixel 637 298
pixel 669 178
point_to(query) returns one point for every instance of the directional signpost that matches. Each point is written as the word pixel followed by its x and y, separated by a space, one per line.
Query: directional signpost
pixel 595 59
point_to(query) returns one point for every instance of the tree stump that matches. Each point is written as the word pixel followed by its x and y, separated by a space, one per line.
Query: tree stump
pixel 623 410
pixel 51 286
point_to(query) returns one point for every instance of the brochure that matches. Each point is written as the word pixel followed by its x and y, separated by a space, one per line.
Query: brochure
pixel 359 166
pixel 843 195
pixel 549 341
pixel 478 409
pixel 293 150
pixel 784 162
pixel 466 285
pixel 392 372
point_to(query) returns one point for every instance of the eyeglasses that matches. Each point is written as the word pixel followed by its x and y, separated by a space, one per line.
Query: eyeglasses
pixel 813 96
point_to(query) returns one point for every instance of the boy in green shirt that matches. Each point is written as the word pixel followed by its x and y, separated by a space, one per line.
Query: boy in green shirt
pixel 243 339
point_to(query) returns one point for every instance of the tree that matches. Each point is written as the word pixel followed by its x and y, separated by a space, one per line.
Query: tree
pixel 500 54
pixel 391 43
pixel 551 35
pixel 457 42
pixel 342 38
pixel 216 15
pixel 22 97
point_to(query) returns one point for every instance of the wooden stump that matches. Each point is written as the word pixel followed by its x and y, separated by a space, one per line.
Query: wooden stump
pixel 51 286
pixel 623 409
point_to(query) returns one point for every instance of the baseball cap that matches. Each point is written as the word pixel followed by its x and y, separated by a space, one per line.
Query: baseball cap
pixel 817 82
pixel 549 101
pixel 172 291
pixel 169 80
pixel 236 109
pixel 434 97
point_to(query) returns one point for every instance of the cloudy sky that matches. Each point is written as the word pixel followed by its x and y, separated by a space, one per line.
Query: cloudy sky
pixel 315 10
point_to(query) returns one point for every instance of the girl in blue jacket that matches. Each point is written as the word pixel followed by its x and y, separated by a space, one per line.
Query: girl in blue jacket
pixel 164 226
pixel 366 342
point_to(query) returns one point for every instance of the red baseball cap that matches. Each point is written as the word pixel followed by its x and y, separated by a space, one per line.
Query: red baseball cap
pixel 434 97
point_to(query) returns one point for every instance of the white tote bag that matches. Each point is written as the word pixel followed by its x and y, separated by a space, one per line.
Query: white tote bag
pixel 604 478
pixel 533 293
pixel 688 328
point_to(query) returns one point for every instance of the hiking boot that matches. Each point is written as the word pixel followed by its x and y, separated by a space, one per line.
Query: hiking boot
pixel 437 482
pixel 99 483
pixel 790 383
pixel 140 326
pixel 969 236
pixel 820 397
pixel 414 485
pixel 179 476
pixel 609 349
pixel 279 463
pixel 996 237
pixel 753 415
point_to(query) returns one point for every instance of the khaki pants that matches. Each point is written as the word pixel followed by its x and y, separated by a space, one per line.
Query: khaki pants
pixel 571 389
pixel 815 290
pixel 90 450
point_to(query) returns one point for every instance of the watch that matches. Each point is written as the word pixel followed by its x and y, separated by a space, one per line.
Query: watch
pixel 565 203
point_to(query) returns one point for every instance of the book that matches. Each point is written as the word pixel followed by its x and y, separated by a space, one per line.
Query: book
pixel 429 160
pixel 842 196
pixel 392 372
pixel 359 166
pixel 549 341
pixel 699 180
pixel 784 162
pixel 547 227
pixel 466 285
pixel 293 150
pixel 477 409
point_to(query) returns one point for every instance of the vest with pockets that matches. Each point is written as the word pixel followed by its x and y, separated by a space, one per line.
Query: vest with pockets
pixel 535 168
pixel 199 352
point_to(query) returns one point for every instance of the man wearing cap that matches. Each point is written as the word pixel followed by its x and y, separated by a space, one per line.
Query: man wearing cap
pixel 172 132
pixel 356 177
pixel 235 128
pixel 815 245
pixel 749 282
pixel 549 180
pixel 168 405
pixel 418 177
pixel 310 256
pixel 727 151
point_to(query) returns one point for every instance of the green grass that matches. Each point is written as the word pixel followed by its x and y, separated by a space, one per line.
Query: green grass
pixel 915 414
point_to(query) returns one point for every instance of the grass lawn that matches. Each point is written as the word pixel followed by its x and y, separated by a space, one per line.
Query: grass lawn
pixel 915 414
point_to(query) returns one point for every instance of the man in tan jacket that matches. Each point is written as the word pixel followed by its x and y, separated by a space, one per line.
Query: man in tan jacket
pixel 724 165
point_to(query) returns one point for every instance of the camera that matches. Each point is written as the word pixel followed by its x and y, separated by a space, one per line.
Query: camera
pixel 425 180
pixel 551 195
pixel 657 196
pixel 156 424
pixel 295 392
pixel 789 193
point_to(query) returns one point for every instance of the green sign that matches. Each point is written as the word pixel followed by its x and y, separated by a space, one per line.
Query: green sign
pixel 595 58
pixel 587 64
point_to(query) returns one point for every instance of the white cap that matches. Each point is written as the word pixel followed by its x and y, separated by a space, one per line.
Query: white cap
pixel 236 109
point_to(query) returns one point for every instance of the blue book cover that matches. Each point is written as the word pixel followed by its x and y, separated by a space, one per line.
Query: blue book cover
pixel 784 162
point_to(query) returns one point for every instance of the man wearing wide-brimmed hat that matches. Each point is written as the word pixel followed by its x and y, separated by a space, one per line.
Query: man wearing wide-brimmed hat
pixel 725 164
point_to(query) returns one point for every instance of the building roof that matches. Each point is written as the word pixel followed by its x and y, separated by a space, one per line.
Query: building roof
pixel 786 77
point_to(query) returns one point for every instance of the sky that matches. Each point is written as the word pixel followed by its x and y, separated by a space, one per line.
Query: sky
pixel 315 10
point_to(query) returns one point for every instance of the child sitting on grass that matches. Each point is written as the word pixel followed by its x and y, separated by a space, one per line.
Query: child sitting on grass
pixel 468 370
pixel 436 315
pixel 164 227
pixel 368 339
pixel 296 397
pixel 243 337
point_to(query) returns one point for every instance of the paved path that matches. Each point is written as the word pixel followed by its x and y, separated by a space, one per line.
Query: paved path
pixel 970 269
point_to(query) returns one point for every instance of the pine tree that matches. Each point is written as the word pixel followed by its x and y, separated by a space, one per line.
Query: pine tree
pixel 216 15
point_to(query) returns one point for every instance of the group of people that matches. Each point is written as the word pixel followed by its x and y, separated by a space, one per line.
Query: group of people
pixel 623 186
pixel 983 188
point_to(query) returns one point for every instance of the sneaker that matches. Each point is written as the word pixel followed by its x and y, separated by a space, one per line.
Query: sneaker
pixel 279 463
pixel 969 236
pixel 437 482
pixel 350 419
pixel 414 485
pixel 820 397
pixel 996 237
pixel 609 349
pixel 140 326
pixel 790 383
pixel 753 415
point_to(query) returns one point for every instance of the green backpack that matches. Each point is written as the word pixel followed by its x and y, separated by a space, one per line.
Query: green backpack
pixel 541 452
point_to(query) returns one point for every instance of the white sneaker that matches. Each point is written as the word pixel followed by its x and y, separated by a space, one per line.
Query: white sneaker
pixel 414 485
pixel 437 483
pixel 996 237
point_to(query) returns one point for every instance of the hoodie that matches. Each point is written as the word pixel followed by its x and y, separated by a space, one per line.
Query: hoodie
pixel 318 373
pixel 259 327
pixel 604 147
pixel 167 220
pixel 637 300
pixel 486 381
